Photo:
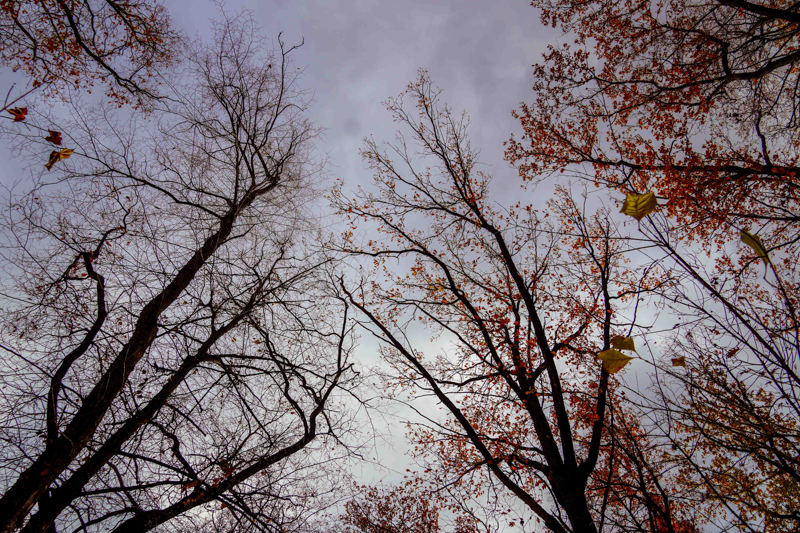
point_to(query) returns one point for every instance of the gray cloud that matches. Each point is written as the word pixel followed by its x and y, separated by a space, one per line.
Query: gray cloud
pixel 360 52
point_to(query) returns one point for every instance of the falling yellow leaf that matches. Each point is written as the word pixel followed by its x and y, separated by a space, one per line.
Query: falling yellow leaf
pixel 613 360
pixel 622 343
pixel 679 361
pixel 56 156
pixel 755 243
pixel 639 206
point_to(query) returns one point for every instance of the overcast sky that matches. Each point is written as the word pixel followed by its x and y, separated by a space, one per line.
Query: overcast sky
pixel 359 52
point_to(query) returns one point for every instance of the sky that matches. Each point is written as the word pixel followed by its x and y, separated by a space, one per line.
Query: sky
pixel 357 53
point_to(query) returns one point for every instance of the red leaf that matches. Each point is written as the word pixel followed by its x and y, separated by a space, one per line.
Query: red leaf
pixel 54 137
pixel 18 113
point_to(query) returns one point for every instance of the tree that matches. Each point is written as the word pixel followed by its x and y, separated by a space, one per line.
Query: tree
pixel 694 100
pixel 697 102
pixel 171 355
pixel 407 508
pixel 69 43
pixel 522 302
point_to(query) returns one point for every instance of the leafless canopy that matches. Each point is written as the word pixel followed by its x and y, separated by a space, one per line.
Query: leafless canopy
pixel 170 356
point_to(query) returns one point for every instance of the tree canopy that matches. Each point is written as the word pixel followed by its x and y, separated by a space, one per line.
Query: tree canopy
pixel 614 347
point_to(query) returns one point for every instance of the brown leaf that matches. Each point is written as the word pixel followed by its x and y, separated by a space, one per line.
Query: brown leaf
pixel 679 361
pixel 755 243
pixel 18 113
pixel 190 485
pixel 54 137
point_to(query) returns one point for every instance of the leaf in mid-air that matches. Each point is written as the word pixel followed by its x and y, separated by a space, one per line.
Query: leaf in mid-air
pixel 639 206
pixel 755 243
pixel 622 343
pixel 54 137
pixel 18 113
pixel 56 156
pixel 613 360
pixel 679 361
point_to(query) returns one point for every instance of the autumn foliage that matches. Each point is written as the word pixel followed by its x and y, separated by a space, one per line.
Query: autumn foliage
pixel 407 508
pixel 668 131
pixel 524 301
pixel 622 355
pixel 697 102
pixel 68 43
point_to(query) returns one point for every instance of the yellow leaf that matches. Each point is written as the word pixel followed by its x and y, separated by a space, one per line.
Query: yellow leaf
pixel 613 360
pixel 755 243
pixel 56 156
pixel 639 206
pixel 679 361
pixel 622 343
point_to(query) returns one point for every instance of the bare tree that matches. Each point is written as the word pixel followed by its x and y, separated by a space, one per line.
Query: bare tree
pixel 170 349
pixel 406 508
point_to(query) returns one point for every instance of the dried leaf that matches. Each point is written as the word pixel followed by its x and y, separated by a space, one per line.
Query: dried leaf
pixel 190 485
pixel 18 113
pixel 54 137
pixel 613 360
pixel 679 361
pixel 56 156
pixel 622 343
pixel 639 206
pixel 755 243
